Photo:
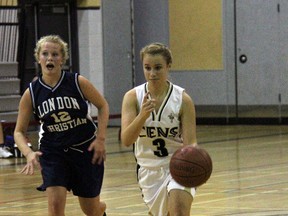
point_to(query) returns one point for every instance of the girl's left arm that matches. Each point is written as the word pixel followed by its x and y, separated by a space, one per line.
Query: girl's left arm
pixel 188 121
pixel 94 96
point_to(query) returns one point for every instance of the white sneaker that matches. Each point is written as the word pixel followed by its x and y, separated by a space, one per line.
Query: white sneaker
pixel 5 153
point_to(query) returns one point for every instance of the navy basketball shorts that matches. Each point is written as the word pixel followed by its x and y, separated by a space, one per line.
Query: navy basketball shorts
pixel 71 168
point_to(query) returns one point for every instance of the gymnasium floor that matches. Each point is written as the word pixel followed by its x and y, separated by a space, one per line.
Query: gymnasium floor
pixel 250 177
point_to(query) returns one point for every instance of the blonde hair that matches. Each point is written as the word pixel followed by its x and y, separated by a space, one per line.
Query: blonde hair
pixel 54 39
pixel 157 49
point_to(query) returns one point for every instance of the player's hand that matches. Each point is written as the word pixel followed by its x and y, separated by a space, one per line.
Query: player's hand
pixel 148 105
pixel 99 155
pixel 32 162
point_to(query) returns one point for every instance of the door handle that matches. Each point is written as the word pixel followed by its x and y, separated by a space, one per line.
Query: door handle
pixel 243 58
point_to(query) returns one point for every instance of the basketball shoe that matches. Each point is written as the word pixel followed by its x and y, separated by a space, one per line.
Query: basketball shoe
pixel 5 153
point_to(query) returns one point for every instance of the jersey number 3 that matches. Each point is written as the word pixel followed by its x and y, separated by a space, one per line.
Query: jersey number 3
pixel 161 149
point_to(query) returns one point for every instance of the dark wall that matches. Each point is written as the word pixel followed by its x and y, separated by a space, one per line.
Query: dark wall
pixel 151 24
pixel 39 18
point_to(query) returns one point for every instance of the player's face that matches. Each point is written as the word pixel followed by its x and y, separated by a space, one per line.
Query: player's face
pixel 155 68
pixel 50 57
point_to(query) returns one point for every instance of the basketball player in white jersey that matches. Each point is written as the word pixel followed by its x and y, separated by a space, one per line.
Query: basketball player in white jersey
pixel 158 117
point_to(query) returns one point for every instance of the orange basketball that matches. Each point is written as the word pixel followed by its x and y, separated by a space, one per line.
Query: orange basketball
pixel 191 166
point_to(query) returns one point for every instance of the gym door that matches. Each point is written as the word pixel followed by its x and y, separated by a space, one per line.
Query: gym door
pixel 258 58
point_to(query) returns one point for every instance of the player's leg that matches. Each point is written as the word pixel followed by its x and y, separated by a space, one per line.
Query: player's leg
pixel 180 202
pixel 92 206
pixel 56 200
pixel 87 181
pixel 153 184
pixel 180 199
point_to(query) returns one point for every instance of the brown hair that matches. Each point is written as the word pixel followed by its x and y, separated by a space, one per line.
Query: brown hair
pixel 157 49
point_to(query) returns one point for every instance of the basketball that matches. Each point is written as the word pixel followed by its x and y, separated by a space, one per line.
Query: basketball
pixel 191 166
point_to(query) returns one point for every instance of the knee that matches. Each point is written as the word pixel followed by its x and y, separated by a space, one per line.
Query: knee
pixel 56 200
pixel 179 212
pixel 56 208
pixel 97 210
pixel 179 203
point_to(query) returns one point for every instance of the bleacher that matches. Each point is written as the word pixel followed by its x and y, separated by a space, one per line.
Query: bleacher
pixel 9 81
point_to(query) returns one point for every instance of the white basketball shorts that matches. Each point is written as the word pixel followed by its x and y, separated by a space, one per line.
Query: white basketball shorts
pixel 155 185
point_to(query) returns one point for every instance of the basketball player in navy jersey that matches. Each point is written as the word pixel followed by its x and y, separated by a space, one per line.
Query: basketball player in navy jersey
pixel 71 147
pixel 158 117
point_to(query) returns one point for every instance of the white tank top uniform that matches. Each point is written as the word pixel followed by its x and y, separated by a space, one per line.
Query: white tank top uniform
pixel 158 140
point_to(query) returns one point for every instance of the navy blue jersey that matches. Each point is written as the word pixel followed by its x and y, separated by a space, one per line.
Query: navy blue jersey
pixel 63 112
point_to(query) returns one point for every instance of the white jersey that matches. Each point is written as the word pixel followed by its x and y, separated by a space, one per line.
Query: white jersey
pixel 160 135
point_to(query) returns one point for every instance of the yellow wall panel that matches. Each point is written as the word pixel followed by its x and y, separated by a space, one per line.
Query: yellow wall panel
pixel 8 3
pixel 88 3
pixel 196 34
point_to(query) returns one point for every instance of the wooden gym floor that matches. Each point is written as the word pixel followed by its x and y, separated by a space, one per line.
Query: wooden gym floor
pixel 250 177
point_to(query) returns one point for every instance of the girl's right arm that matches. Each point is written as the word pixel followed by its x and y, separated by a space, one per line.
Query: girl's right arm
pixel 23 119
pixel 132 121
